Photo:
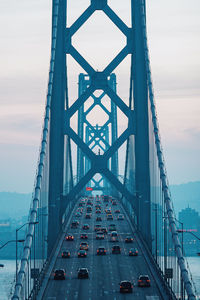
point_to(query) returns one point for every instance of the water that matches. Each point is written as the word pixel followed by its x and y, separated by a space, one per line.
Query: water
pixel 8 272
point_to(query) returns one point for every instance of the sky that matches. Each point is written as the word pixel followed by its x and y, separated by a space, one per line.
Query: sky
pixel 174 45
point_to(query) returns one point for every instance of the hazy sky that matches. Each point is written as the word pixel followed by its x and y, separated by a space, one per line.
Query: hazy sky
pixel 174 41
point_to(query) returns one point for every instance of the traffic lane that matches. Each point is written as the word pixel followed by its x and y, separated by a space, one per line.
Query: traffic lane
pixel 61 289
pixel 129 268
pixel 104 275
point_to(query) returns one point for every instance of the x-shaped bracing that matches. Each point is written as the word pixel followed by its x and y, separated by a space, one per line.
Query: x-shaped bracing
pixel 99 81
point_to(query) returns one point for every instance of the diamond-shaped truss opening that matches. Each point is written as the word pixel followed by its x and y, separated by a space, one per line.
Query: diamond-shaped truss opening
pixel 97 179
pixel 99 47
pixel 97 116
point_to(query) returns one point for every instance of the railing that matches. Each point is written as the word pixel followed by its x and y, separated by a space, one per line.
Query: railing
pixel 23 285
pixel 187 281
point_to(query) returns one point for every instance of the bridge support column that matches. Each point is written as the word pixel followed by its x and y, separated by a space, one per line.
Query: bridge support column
pixel 56 159
pixel 142 126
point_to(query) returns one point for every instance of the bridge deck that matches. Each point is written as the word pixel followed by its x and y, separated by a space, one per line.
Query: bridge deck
pixel 105 271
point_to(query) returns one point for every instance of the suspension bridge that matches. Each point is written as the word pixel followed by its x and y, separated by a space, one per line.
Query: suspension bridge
pixel 78 167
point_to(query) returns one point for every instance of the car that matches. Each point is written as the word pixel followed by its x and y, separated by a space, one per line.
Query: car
pixel 74 224
pixel 144 281
pixel 98 219
pixel 128 239
pixel 114 236
pixel 82 253
pixel 88 216
pixel 108 210
pixel 97 206
pixel 104 230
pixel 84 246
pixel 126 286
pixel 99 236
pixel 85 226
pixel 84 236
pixel 112 227
pixel 101 251
pixel 97 227
pixel 116 249
pixel 109 217
pixel 78 214
pixel 65 254
pixel 89 209
pixel 133 252
pixel 117 211
pixel 98 211
pixel 120 217
pixel 83 273
pixel 69 237
pixel 59 274
pixel 114 202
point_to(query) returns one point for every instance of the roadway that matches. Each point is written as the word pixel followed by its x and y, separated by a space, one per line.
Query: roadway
pixel 105 272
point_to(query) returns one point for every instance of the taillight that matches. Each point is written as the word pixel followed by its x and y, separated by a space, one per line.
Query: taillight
pixel 148 280
pixel 64 273
pixel 139 280
pixel 97 250
pixel 62 253
pixel 132 286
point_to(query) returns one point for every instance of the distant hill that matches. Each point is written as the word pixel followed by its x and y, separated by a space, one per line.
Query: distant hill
pixel 185 195
pixel 14 205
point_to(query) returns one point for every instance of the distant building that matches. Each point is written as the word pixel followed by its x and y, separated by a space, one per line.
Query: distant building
pixel 191 224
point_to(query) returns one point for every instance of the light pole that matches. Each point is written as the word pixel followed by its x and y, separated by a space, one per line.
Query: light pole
pixel 20 241
pixel 16 258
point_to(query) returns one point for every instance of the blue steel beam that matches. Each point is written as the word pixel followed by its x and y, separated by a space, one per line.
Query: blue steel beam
pixel 116 20
pixel 81 20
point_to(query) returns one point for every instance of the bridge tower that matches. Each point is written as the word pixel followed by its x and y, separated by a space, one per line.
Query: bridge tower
pixel 136 134
pixel 97 137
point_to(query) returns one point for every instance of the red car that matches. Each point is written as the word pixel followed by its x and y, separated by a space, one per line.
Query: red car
pixel 69 237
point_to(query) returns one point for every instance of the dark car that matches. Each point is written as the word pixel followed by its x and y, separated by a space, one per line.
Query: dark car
pixel 74 224
pixel 99 236
pixel 83 273
pixel 133 252
pixel 69 237
pixel 82 253
pixel 101 251
pixel 98 211
pixel 88 216
pixel 85 226
pixel 84 246
pixel 98 219
pixel 65 254
pixel 78 214
pixel 84 236
pixel 117 211
pixel 144 281
pixel 128 239
pixel 116 249
pixel 120 217
pixel 59 274
pixel 126 286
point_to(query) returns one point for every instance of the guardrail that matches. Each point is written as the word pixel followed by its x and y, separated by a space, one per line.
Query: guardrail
pixel 18 292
